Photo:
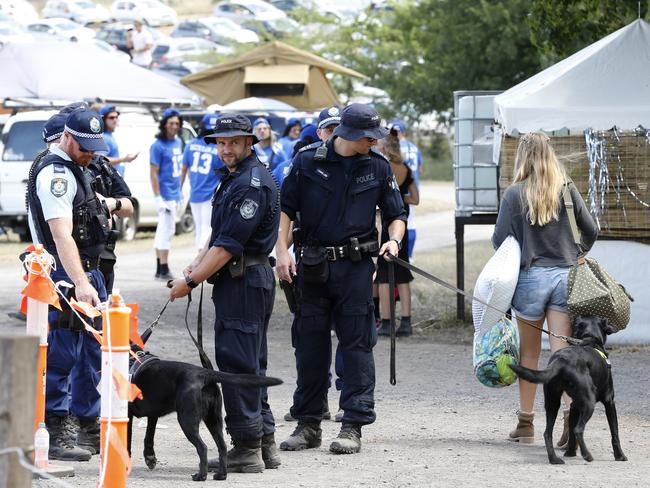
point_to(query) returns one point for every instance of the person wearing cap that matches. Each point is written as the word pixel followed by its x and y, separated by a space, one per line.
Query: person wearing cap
pixel 202 161
pixel 142 41
pixel 111 117
pixel 166 161
pixel 291 135
pixel 268 150
pixel 72 222
pixel 413 159
pixel 331 192
pixel 245 217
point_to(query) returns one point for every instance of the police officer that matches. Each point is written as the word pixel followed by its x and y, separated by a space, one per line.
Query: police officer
pixel 68 218
pixel 245 217
pixel 334 188
pixel 202 161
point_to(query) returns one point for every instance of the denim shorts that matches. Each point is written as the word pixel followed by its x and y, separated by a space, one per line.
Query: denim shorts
pixel 539 289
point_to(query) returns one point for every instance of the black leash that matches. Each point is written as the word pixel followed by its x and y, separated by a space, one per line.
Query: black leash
pixel 147 333
pixel 391 300
pixel 205 360
pixel 571 340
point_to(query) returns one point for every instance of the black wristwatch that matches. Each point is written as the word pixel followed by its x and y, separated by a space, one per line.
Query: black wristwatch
pixel 190 282
pixel 118 205
pixel 399 243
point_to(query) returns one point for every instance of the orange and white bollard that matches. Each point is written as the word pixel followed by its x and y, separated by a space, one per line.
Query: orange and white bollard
pixel 114 460
pixel 37 325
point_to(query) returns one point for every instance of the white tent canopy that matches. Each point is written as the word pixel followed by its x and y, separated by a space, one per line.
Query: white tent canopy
pixel 79 71
pixel 604 85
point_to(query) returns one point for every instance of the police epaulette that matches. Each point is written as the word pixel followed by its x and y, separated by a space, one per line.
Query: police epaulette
pixel 256 177
pixel 313 145
pixel 377 152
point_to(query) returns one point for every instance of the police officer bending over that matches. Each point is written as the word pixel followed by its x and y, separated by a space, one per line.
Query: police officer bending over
pixel 245 217
pixel 67 217
pixel 331 193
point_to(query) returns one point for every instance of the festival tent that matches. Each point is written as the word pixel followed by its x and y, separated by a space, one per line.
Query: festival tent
pixel 78 71
pixel 274 70
pixel 602 86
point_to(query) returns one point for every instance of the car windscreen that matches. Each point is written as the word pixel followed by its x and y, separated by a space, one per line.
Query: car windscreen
pixel 24 141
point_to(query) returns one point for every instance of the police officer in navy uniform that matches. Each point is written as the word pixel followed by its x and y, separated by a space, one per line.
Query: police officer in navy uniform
pixel 68 218
pixel 331 193
pixel 245 219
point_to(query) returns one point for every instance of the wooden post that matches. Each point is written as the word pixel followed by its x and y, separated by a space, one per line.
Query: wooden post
pixel 18 363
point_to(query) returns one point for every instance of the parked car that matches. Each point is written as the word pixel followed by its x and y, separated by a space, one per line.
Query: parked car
pixel 110 49
pixel 151 12
pixel 21 11
pixel 177 49
pixel 62 28
pixel 115 35
pixel 22 140
pixel 80 11
pixel 216 29
pixel 178 69
pixel 255 13
pixel 13 32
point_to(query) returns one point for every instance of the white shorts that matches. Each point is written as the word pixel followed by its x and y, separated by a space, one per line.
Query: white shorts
pixel 202 214
pixel 166 227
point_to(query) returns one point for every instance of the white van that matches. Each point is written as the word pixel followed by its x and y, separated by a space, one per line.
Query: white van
pixel 22 140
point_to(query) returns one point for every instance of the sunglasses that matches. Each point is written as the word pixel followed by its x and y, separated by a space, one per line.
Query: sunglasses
pixel 112 117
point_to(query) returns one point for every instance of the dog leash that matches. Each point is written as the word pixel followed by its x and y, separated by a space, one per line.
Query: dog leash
pixel 205 360
pixel 570 340
pixel 147 333
pixel 391 300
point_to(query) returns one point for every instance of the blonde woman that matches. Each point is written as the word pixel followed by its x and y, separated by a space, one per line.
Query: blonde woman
pixel 532 210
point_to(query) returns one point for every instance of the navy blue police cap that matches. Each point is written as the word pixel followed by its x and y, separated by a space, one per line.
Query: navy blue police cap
pixel 53 128
pixel 231 125
pixel 359 120
pixel 328 117
pixel 87 128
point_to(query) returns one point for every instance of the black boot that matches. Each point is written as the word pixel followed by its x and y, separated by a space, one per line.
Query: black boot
pixel 306 436
pixel 385 328
pixel 88 436
pixel 270 453
pixel 348 440
pixel 405 328
pixel 62 445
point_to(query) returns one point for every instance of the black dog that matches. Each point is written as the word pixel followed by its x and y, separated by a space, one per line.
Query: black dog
pixel 584 373
pixel 194 394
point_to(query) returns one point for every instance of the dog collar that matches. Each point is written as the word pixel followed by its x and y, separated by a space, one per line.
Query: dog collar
pixel 145 358
pixel 604 356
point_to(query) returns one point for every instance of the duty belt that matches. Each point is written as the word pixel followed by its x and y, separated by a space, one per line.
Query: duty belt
pixel 344 251
pixel 86 263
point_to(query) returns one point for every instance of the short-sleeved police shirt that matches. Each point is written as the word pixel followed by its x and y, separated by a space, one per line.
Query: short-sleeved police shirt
pixel 167 155
pixel 203 162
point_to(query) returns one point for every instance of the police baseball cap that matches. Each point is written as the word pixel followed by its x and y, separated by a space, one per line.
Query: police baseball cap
pixel 359 120
pixel 399 125
pixel 71 107
pixel 231 125
pixel 87 128
pixel 208 121
pixel 53 128
pixel 328 117
pixel 107 109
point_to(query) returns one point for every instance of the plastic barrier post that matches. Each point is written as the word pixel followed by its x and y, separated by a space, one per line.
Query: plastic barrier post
pixel 114 407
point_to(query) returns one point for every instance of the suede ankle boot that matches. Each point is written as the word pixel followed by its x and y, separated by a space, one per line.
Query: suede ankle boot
pixel 564 438
pixel 524 432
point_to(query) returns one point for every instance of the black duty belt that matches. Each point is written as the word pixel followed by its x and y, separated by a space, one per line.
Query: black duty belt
pixel 253 259
pixel 86 263
pixel 344 251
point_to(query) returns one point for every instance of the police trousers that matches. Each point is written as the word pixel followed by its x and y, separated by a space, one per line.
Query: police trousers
pixel 74 362
pixel 346 301
pixel 243 309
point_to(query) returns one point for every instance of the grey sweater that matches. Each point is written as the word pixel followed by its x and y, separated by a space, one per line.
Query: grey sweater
pixel 548 245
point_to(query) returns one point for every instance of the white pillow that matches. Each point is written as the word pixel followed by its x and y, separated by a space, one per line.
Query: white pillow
pixel 496 285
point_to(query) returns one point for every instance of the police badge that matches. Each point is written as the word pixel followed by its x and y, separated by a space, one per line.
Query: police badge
pixel 59 187
pixel 95 126
pixel 248 209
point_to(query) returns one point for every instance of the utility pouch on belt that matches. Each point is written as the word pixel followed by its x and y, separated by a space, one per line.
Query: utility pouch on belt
pixel 355 250
pixel 315 266
pixel 289 290
pixel 237 267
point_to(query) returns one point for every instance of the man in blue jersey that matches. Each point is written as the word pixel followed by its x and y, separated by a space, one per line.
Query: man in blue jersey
pixel 268 150
pixel 111 118
pixel 413 159
pixel 166 159
pixel 202 161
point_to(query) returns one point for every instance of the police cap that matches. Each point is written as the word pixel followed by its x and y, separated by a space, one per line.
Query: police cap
pixel 359 120
pixel 87 128
pixel 328 117
pixel 231 125
pixel 53 128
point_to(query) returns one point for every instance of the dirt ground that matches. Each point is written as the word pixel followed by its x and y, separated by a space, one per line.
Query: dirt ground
pixel 437 427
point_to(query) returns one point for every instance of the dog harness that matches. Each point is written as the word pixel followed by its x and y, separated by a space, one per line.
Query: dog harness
pixel 604 356
pixel 143 361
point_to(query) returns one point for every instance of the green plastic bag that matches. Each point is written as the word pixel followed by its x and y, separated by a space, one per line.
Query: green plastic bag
pixel 494 350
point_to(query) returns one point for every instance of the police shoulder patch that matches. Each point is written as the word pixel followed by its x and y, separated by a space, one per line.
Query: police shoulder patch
pixel 248 209
pixel 256 178
pixel 59 187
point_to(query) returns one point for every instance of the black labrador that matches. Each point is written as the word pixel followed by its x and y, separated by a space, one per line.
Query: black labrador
pixel 194 394
pixel 584 373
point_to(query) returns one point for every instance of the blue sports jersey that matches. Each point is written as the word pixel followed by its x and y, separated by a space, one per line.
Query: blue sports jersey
pixel 271 156
pixel 203 161
pixel 168 156
pixel 281 171
pixel 287 145
pixel 412 158
pixel 113 151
